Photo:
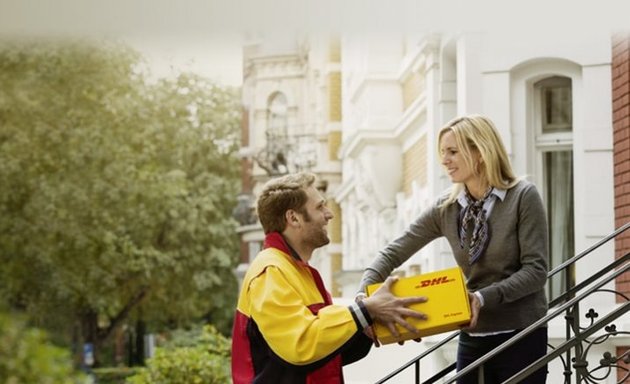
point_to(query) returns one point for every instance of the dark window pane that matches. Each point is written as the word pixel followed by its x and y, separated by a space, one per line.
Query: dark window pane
pixel 558 168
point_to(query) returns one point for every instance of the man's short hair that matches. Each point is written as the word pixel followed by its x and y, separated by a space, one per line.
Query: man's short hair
pixel 280 195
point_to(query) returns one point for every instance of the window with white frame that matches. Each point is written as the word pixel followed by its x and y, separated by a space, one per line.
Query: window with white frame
pixel 554 145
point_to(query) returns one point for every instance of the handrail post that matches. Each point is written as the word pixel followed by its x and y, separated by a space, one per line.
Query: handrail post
pixel 417 366
pixel 572 325
pixel 567 369
pixel 572 321
pixel 571 282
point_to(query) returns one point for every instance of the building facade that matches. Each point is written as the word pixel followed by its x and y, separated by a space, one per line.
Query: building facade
pixel 363 111
pixel 291 122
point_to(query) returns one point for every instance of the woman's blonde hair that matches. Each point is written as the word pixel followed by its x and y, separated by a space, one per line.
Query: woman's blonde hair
pixel 478 133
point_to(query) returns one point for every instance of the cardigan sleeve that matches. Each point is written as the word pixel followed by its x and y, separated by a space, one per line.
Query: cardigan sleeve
pixel 421 232
pixel 533 244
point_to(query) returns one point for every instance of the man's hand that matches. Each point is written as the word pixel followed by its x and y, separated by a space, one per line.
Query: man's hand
pixel 390 310
pixel 369 331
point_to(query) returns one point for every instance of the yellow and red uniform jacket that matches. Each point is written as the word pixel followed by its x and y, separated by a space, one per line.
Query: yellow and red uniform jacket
pixel 286 329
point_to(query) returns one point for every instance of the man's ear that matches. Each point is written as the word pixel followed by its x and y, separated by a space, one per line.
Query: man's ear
pixel 291 217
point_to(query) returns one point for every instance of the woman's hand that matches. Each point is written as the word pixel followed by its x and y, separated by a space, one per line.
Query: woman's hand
pixel 475 307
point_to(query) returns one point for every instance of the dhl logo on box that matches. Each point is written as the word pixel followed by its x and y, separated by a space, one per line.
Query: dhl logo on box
pixel 447 306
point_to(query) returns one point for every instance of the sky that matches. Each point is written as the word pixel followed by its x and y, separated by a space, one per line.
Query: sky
pixel 206 36
pixel 218 58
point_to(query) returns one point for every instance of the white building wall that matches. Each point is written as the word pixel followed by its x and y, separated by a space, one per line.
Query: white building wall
pixel 469 49
pixel 595 203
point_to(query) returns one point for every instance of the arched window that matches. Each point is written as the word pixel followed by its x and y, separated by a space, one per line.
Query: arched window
pixel 553 106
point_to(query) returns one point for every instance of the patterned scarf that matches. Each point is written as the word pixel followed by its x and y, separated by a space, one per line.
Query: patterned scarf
pixel 474 212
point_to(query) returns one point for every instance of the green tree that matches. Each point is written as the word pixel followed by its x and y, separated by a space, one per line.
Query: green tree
pixel 115 193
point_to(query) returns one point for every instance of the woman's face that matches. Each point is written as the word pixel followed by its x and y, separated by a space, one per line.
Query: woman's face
pixel 453 160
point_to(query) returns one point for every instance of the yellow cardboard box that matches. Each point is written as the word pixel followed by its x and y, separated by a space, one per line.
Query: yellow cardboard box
pixel 447 306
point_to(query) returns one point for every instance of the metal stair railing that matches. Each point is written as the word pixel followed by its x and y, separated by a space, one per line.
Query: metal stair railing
pixel 416 362
pixel 576 335
pixel 581 336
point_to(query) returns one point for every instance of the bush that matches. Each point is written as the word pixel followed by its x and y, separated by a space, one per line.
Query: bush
pixel 27 356
pixel 206 360
pixel 113 375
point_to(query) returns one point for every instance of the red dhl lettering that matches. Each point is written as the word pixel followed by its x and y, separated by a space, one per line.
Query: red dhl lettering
pixel 434 281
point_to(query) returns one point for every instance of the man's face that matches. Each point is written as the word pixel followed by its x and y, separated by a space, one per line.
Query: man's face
pixel 315 218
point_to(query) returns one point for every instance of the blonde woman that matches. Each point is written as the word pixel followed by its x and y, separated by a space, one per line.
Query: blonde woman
pixel 496 226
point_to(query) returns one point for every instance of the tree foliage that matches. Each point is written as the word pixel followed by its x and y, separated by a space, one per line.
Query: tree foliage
pixel 27 356
pixel 115 193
